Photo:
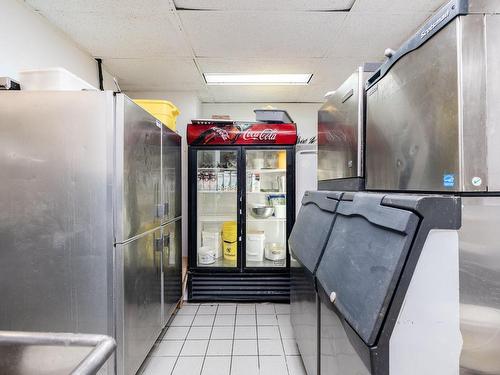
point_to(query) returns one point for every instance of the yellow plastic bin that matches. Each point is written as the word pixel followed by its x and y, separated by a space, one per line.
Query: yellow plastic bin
pixel 229 239
pixel 163 110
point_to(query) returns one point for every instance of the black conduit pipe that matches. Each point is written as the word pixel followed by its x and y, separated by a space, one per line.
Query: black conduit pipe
pixel 101 80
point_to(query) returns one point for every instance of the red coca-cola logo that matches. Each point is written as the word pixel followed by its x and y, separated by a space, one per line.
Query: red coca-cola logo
pixel 260 135
pixel 221 133
pixel 241 134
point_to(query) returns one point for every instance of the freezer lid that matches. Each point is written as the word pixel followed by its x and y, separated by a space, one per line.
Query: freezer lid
pixel 312 227
pixel 363 260
pixel 375 241
pixel 437 22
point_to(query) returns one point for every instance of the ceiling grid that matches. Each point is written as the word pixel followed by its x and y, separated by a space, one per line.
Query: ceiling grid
pixel 166 45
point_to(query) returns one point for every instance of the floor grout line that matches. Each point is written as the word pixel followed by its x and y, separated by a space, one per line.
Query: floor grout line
pixel 184 342
pixel 257 336
pixel 208 343
pixel 283 347
pixel 232 343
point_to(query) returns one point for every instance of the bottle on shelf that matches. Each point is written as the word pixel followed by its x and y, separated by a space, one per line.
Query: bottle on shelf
pixel 255 182
pixel 220 181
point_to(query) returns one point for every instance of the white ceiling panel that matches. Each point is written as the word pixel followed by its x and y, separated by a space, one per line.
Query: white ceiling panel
pixel 155 74
pixel 396 6
pixel 100 6
pixel 257 65
pixel 267 5
pixel 254 93
pixel 125 33
pixel 260 34
pixel 365 34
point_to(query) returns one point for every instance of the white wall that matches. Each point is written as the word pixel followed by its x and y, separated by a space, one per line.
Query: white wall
pixel 29 41
pixel 189 106
pixel 304 114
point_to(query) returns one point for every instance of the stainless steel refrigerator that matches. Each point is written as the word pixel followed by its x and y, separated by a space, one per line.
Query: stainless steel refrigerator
pixel 90 221
pixel 433 126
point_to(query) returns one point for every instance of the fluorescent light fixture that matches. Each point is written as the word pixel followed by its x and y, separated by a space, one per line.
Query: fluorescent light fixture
pixel 257 79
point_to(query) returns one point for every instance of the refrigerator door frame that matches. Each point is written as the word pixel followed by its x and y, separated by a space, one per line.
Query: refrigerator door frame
pixel 290 205
pixel 193 209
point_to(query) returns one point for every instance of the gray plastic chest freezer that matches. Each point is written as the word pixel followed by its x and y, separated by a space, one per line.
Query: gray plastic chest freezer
pixel 383 293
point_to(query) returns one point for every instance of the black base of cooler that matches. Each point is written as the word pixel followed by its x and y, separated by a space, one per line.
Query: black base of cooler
pixel 248 287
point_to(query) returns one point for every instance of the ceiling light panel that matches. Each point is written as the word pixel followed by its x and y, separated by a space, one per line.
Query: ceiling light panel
pixel 257 79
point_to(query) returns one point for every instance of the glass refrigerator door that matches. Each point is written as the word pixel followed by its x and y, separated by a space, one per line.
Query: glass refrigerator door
pixel 217 208
pixel 266 208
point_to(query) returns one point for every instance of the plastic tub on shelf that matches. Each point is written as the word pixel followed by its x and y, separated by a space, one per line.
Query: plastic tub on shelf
pixel 52 79
pixel 163 110
pixel 255 246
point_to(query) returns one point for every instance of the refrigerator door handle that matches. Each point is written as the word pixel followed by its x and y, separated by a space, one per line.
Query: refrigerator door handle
pixel 157 248
pixel 158 244
pixel 166 243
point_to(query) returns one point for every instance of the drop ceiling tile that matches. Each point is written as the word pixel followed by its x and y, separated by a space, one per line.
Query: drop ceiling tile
pixel 275 5
pixel 257 65
pixel 241 94
pixel 155 74
pixel 399 6
pixel 260 34
pixel 378 32
pixel 100 6
pixel 122 35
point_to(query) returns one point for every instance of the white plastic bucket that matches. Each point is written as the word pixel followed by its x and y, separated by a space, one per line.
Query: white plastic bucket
pixel 255 246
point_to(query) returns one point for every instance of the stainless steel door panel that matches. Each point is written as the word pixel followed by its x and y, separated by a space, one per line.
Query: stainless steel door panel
pixel 138 170
pixel 171 174
pixel 172 267
pixel 139 287
pixel 492 25
pixel 412 136
pixel 55 212
pixel 340 131
pixel 480 285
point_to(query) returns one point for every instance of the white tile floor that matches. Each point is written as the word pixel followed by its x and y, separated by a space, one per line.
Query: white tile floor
pixel 227 339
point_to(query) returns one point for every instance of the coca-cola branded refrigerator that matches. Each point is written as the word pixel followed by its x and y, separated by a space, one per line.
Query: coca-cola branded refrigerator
pixel 241 209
